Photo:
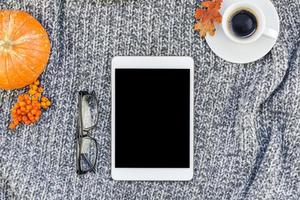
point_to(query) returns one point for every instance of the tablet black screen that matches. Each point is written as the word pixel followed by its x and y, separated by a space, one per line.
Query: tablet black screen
pixel 152 118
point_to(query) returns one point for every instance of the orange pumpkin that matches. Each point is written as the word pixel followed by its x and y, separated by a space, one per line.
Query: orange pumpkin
pixel 24 49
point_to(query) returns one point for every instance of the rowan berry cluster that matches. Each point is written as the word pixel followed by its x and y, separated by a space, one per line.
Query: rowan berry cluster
pixel 28 108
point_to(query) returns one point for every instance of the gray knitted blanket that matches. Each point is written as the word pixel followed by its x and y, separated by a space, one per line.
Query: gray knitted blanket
pixel 247 117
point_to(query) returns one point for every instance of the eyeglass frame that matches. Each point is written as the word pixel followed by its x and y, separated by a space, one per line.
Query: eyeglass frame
pixel 80 134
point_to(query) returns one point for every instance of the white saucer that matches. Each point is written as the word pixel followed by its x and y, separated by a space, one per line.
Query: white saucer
pixel 245 53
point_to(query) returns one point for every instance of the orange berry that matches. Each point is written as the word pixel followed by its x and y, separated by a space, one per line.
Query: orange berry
pixel 26 96
pixel 12 126
pixel 28 102
pixel 43 104
pixel 37 82
pixel 35 102
pixel 24 118
pixel 40 90
pixel 37 106
pixel 23 109
pixel 28 107
pixel 36 97
pixel 27 122
pixel 22 103
pixel 31 118
pixel 33 111
pixel 44 99
pixel 32 92
pixel 38 113
pixel 34 87
pixel 21 98
pixel 16 121
pixel 19 118
pixel 48 103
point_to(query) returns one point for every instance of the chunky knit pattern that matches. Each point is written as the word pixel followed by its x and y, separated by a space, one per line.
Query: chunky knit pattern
pixel 247 117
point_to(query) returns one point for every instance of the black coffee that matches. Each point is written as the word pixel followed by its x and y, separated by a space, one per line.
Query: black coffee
pixel 243 23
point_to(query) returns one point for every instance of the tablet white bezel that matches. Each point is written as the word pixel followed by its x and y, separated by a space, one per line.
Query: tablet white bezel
pixel 142 62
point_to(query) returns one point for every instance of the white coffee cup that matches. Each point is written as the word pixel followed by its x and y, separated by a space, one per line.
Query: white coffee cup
pixel 261 29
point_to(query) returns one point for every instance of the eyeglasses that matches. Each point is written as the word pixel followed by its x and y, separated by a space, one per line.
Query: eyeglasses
pixel 87 149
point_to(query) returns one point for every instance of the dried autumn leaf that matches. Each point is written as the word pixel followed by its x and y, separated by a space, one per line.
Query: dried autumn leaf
pixel 207 15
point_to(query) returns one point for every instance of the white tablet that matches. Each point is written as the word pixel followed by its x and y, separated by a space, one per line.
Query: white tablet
pixel 152 118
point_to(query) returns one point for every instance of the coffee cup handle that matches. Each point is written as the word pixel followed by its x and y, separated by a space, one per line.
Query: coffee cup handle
pixel 270 33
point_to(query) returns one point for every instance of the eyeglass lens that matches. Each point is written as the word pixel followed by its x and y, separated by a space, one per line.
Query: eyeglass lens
pixel 88 154
pixel 89 111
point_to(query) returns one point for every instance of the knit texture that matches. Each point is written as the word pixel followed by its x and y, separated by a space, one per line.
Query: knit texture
pixel 247 116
